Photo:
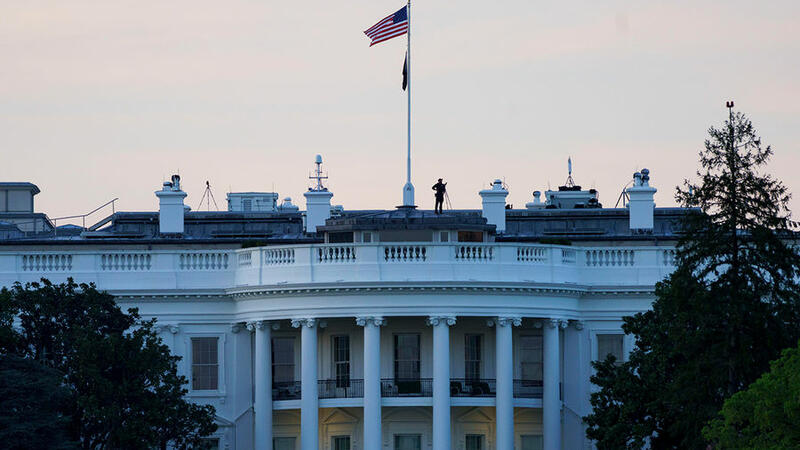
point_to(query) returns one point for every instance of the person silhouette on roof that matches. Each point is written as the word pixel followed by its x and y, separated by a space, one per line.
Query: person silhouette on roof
pixel 441 190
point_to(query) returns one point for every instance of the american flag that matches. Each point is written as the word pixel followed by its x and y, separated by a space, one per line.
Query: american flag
pixel 392 26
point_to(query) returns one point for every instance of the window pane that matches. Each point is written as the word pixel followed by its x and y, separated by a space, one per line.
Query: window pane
pixel 407 442
pixel 406 364
pixel 341 443
pixel 205 364
pixel 474 442
pixel 341 360
pixel 531 357
pixel 609 344
pixel 283 443
pixel 282 359
pixel 532 443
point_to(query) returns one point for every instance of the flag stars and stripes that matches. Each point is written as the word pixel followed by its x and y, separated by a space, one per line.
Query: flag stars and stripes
pixel 391 26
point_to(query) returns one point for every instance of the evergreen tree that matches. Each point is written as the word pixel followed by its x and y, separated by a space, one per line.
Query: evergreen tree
pixel 766 414
pixel 124 383
pixel 731 305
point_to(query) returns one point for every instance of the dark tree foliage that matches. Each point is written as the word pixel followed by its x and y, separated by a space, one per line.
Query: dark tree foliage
pixel 126 391
pixel 731 306
pixel 34 406
pixel 766 414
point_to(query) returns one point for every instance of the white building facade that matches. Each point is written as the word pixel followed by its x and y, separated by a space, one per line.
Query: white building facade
pixel 398 329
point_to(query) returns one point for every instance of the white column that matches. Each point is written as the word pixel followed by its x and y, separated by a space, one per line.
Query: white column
pixel 441 380
pixel 309 393
pixel 551 402
pixel 372 380
pixel 504 396
pixel 262 404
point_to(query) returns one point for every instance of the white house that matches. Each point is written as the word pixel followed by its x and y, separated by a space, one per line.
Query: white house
pixel 398 329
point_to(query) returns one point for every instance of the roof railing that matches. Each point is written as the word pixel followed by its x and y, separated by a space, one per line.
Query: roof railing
pixel 84 216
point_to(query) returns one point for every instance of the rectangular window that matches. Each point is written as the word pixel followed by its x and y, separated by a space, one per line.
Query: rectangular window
pixel 470 236
pixel 247 205
pixel 472 356
pixel 406 356
pixel 283 360
pixel 367 237
pixel 531 353
pixel 532 443
pixel 341 360
pixel 609 344
pixel 283 443
pixel 210 444
pixel 474 442
pixel 444 236
pixel 407 442
pixel 205 364
pixel 340 443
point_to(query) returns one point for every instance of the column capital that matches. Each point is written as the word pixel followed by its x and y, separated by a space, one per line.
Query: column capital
pixel 173 328
pixel 237 327
pixel 578 324
pixel 310 322
pixel 377 321
pixel 552 323
pixel 505 321
pixel 444 320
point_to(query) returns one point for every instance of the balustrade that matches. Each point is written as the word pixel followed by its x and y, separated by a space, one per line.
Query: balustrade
pixel 123 262
pixel 203 261
pixel 274 256
pixel 336 254
pixel 46 263
pixel 609 257
pixel 474 253
pixel 405 253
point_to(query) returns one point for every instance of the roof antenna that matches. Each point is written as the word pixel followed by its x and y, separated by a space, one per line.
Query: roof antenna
pixel 208 196
pixel 570 182
pixel 318 175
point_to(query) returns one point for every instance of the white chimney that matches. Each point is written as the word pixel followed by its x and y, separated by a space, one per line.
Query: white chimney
pixel 537 202
pixel 494 205
pixel 641 204
pixel 318 200
pixel 170 206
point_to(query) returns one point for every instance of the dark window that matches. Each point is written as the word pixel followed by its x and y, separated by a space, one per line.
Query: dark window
pixel 205 364
pixel 407 442
pixel 283 359
pixel 532 442
pixel 472 356
pixel 210 444
pixel 406 356
pixel 340 238
pixel 609 344
pixel 474 442
pixel 470 236
pixel 531 357
pixel 283 443
pixel 340 443
pixel 341 360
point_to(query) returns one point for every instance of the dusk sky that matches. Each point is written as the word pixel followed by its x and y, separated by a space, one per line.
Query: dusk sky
pixel 104 99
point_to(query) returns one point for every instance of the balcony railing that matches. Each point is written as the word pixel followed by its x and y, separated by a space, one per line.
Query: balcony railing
pixel 407 387
pixel 286 390
pixel 472 387
pixel 341 388
pixel 528 388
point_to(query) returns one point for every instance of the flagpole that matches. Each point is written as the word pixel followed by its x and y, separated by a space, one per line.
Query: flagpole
pixel 408 189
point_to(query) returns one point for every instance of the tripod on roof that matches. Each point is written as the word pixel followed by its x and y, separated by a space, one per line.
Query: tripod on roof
pixel 208 196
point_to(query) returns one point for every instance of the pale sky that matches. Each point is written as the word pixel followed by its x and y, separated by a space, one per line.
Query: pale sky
pixel 103 99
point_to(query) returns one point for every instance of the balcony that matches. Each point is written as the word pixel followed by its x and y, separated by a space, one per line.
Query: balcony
pixel 472 387
pixel 286 390
pixel 342 388
pixel 407 387
pixel 528 388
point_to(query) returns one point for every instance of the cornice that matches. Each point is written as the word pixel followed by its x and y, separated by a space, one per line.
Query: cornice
pixel 383 288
